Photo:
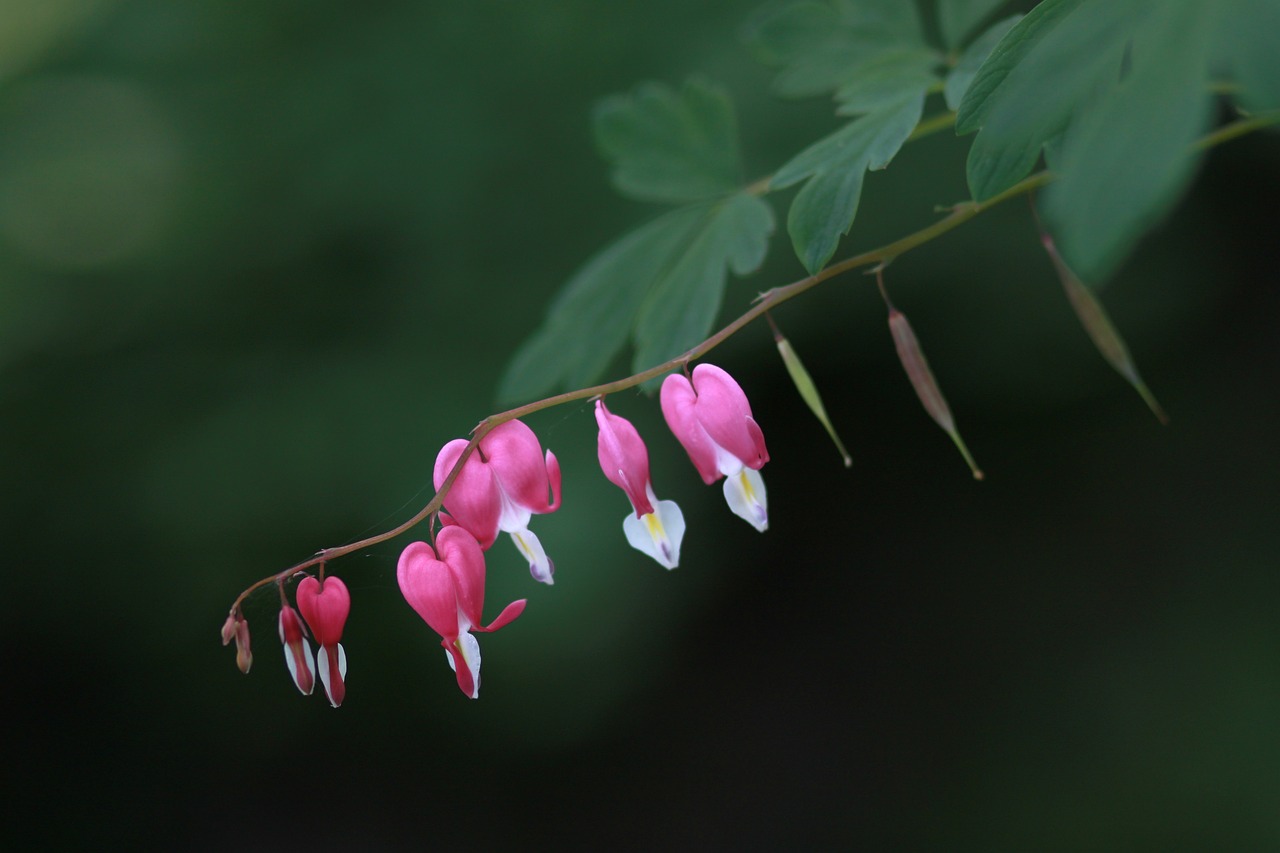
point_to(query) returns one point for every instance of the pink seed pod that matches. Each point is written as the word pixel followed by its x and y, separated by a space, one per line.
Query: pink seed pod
pixel 917 367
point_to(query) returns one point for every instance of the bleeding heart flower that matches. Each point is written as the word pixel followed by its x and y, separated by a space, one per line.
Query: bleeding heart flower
pixel 447 591
pixel 656 527
pixel 325 605
pixel 711 418
pixel 503 484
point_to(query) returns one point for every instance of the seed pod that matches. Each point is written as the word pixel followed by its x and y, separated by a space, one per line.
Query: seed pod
pixel 809 392
pixel 1100 329
pixel 913 361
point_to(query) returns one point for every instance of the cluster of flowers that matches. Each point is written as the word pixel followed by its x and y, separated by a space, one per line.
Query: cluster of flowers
pixel 499 488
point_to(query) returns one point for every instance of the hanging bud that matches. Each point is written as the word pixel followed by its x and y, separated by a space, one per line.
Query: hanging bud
pixel 1099 328
pixel 808 390
pixel 237 628
pixel 913 360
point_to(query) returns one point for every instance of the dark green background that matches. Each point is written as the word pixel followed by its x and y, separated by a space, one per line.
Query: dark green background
pixel 259 261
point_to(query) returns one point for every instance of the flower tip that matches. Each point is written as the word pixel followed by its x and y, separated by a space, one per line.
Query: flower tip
pixel 229 629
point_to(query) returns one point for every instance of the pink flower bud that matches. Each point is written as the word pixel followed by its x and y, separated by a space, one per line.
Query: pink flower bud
pixel 237 628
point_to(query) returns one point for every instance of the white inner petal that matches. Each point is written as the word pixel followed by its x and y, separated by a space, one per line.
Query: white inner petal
pixel 746 496
pixel 658 533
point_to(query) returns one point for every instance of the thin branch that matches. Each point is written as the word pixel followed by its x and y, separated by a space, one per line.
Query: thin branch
pixel 768 300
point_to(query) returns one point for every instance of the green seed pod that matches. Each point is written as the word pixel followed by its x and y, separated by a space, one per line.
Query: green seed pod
pixel 809 392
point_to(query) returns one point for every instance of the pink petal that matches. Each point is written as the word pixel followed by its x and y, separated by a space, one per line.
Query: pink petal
pixel 515 456
pixel 725 414
pixel 507 616
pixel 325 605
pixel 474 499
pixel 465 561
pixel 427 584
pixel 623 457
pixel 678 408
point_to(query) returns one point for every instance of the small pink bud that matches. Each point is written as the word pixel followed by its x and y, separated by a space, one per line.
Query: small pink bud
pixel 229 629
pixel 244 656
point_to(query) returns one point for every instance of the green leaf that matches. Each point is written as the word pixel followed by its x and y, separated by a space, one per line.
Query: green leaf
pixel 1246 44
pixel 823 211
pixel 682 305
pixel 819 46
pixel 669 146
pixel 971 60
pixel 1128 155
pixel 959 18
pixel 1008 54
pixel 590 321
pixel 1047 68
pixel 887 81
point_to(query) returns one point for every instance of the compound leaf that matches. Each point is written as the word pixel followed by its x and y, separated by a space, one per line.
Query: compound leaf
pixel 823 211
pixel 819 46
pixel 670 146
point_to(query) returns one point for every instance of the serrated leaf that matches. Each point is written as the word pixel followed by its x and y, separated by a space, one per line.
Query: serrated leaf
pixel 670 146
pixel 591 319
pixel 1127 156
pixel 824 209
pixel 957 19
pixel 819 46
pixel 886 81
pixel 971 60
pixel 682 305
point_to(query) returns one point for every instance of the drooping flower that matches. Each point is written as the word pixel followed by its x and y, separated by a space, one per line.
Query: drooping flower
pixel 711 418
pixel 297 651
pixel 447 591
pixel 325 605
pixel 503 484
pixel 656 527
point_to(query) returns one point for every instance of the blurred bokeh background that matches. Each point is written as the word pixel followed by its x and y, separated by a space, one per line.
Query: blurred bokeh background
pixel 259 261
